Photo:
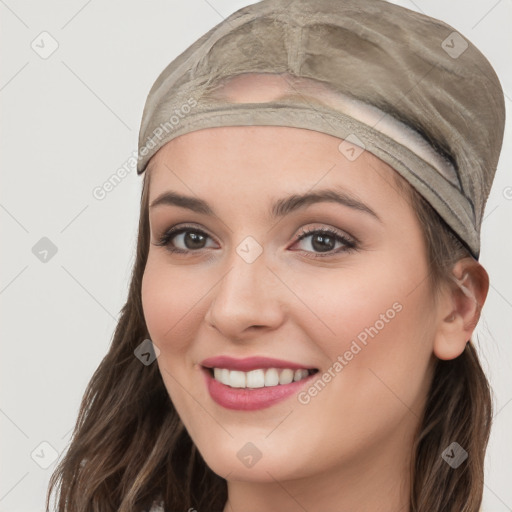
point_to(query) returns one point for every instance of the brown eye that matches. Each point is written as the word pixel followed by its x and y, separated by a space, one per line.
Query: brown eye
pixel 193 240
pixel 190 238
pixel 323 241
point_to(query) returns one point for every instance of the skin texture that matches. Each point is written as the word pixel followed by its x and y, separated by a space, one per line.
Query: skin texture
pixel 348 449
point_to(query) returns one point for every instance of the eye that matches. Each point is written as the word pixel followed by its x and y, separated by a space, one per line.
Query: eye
pixel 193 239
pixel 325 239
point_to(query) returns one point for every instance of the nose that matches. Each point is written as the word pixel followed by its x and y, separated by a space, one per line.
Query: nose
pixel 249 297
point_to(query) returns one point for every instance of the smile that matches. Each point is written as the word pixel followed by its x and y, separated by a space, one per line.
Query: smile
pixel 243 397
pixel 263 377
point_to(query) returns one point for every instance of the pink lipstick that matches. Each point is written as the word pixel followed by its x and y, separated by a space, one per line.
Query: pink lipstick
pixel 252 398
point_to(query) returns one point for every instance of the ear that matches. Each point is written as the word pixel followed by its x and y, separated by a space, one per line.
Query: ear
pixel 459 308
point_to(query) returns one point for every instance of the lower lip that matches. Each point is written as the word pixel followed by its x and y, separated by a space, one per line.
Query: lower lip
pixel 250 399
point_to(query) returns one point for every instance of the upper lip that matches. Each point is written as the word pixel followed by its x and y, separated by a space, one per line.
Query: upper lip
pixel 251 363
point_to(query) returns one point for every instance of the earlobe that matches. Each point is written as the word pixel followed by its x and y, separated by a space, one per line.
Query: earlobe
pixel 451 338
pixel 460 307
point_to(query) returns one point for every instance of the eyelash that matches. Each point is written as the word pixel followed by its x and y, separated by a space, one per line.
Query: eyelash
pixel 350 244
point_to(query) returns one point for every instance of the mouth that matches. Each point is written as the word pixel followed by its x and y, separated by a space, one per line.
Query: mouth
pixel 260 377
pixel 253 383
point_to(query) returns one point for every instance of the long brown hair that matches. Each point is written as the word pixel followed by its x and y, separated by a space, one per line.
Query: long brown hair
pixel 129 446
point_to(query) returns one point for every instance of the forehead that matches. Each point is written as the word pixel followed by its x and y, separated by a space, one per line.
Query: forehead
pixel 255 145
pixel 255 162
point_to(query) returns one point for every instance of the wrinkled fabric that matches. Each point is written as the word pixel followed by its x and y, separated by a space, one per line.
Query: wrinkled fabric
pixel 425 100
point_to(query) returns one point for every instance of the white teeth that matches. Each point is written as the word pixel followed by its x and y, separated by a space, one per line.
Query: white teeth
pixel 286 376
pixel 300 374
pixel 258 378
pixel 237 379
pixel 271 377
pixel 222 375
pixel 255 379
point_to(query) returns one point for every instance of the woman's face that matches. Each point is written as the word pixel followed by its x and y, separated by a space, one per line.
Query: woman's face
pixel 358 311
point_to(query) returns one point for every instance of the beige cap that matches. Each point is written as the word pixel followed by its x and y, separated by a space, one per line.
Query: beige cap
pixel 404 86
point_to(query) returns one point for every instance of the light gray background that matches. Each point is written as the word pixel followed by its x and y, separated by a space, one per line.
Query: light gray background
pixel 68 122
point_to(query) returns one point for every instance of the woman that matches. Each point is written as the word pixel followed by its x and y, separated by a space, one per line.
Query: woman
pixel 297 334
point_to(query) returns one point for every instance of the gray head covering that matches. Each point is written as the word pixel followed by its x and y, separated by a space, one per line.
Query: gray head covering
pixel 404 86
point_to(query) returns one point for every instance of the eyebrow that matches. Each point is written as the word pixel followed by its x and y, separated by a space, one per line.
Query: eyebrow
pixel 279 208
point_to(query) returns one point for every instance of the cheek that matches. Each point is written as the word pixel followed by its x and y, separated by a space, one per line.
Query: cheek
pixel 378 299
pixel 169 303
pixel 378 349
pixel 168 300
pixel 376 329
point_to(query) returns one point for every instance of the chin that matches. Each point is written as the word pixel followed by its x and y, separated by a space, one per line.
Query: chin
pixel 245 461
